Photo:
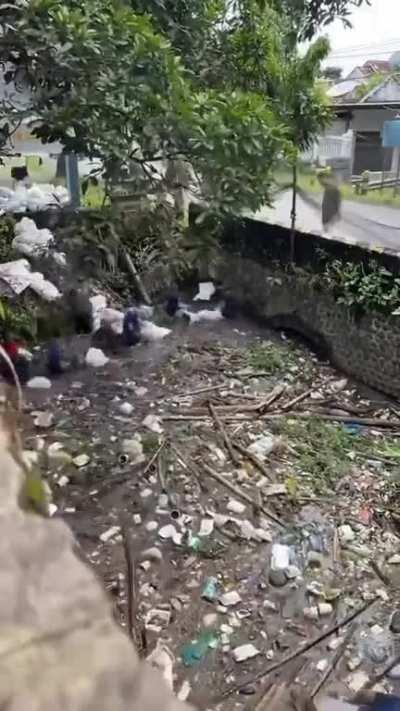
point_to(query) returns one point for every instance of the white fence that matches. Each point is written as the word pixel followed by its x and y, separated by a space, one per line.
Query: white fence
pixel 328 147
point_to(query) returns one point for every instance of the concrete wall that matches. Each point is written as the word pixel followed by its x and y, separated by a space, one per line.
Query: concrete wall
pixel 367 348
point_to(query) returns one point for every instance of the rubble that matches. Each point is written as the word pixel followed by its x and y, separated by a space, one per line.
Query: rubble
pixel 237 566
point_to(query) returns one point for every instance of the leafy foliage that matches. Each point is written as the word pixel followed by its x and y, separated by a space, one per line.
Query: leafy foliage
pixel 215 84
pixel 307 16
pixel 362 288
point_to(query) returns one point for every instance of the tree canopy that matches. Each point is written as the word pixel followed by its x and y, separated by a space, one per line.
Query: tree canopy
pixel 218 84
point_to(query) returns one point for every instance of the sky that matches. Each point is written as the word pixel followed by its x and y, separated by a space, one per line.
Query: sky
pixel 375 35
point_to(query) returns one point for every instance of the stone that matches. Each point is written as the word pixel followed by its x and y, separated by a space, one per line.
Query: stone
pixel 292 572
pixel 356 681
pixel 311 613
pixel 81 460
pixel 335 643
pixel 322 665
pixel 395 622
pixel 236 507
pixel 353 663
pixel 44 420
pixel 394 559
pixel 346 534
pixel 244 652
pixel 153 423
pixel 325 608
pixel 151 526
pixel 153 554
pixel 126 408
pixel 206 527
pixel 134 449
pixel 210 620
pixel 230 599
pixel 63 481
pixel 277 578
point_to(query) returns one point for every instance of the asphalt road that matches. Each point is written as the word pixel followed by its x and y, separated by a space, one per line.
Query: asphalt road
pixel 375 226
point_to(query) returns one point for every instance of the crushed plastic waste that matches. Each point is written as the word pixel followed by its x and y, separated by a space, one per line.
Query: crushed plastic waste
pixel 37 197
pixel 210 589
pixel 205 292
pixel 19 277
pixel 194 652
pixel 31 241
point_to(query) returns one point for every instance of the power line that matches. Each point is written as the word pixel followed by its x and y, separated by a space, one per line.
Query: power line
pixel 370 45
pixel 386 53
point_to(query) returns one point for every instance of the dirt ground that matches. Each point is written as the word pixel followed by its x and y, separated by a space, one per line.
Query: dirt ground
pixel 327 493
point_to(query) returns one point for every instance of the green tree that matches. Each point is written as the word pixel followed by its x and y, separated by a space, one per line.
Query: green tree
pixel 308 16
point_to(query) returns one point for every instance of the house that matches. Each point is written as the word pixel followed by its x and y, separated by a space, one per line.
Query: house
pixel 365 115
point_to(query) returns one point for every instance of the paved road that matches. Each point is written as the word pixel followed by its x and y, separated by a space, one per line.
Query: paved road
pixel 375 226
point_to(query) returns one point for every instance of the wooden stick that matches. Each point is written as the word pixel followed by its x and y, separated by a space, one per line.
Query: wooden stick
pixel 334 661
pixel 293 655
pixel 365 422
pixel 135 630
pixel 299 398
pixel 136 277
pixel 241 494
pixel 155 456
pixel 199 391
pixel 253 458
pixel 224 433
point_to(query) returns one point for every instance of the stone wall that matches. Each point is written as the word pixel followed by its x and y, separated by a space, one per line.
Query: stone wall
pixel 367 348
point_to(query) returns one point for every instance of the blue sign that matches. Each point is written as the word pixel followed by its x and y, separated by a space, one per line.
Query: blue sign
pixel 391 134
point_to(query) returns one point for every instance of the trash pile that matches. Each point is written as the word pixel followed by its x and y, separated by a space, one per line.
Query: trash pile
pixel 33 199
pixel 239 499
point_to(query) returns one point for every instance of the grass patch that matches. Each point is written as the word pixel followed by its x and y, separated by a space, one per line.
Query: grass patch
pixel 270 357
pixel 323 450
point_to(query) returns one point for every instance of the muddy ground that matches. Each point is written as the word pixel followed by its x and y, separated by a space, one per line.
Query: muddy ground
pixel 328 494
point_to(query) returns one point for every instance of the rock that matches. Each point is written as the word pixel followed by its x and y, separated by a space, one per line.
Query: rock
pixel 335 643
pixel 39 383
pixel 230 599
pixel 322 665
pixel 141 391
pixel 134 449
pixel 126 408
pixel 311 613
pixel 315 559
pixel 245 651
pixel 325 608
pixel 81 460
pixel 394 559
pixel 292 572
pixel 277 578
pixel 44 420
pixel 356 681
pixel 280 557
pixel 63 481
pixel 153 423
pixel 236 507
pixel 153 554
pixel 353 663
pixel 95 358
pixel 210 620
pixel 339 385
pixel 52 509
pixel 269 605
pixel 151 526
pixel 346 534
pixel 110 533
pixel 395 622
pixel 137 519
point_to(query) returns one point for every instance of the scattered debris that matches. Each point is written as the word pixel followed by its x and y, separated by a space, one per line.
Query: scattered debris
pixel 246 651
pixel 81 460
pixel 230 599
pixel 126 408
pixel 110 533
pixel 205 292
pixel 153 423
pixel 44 420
